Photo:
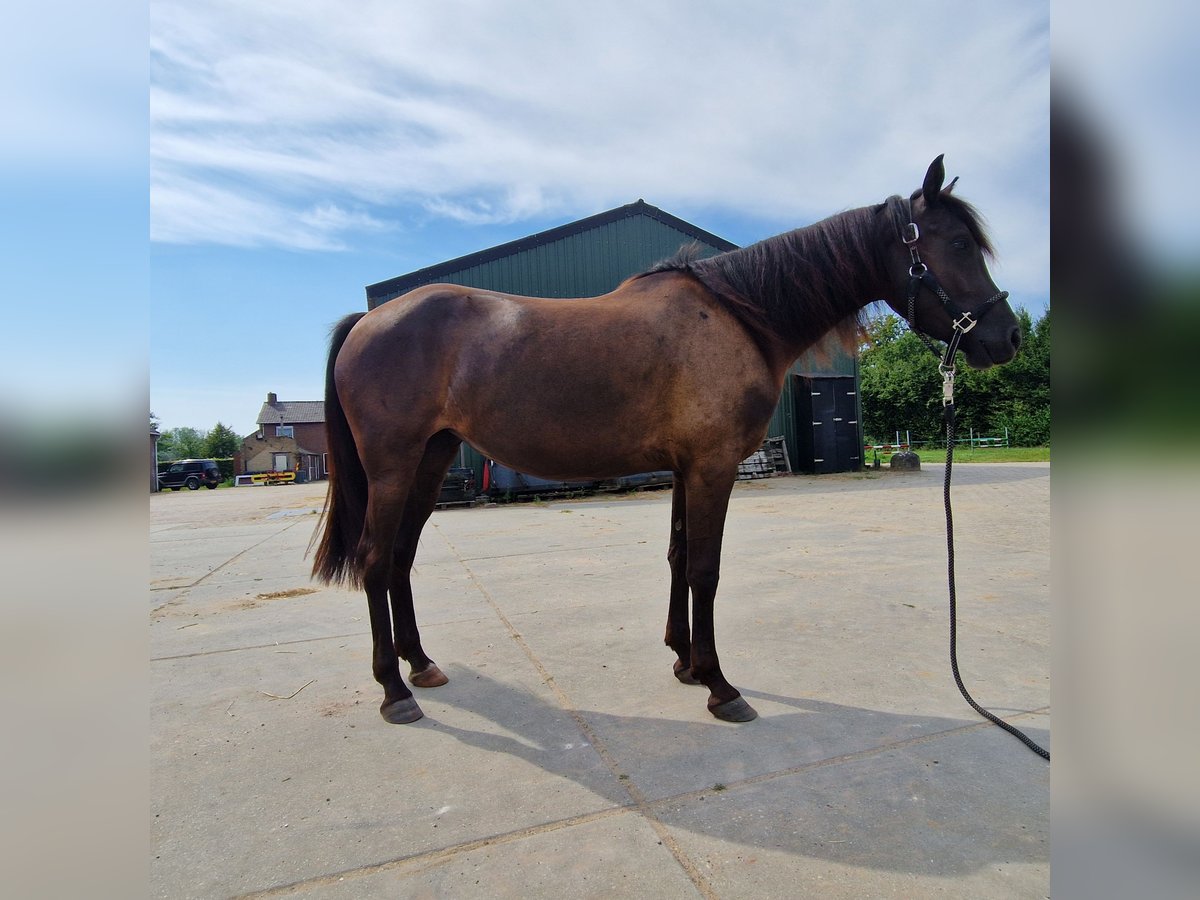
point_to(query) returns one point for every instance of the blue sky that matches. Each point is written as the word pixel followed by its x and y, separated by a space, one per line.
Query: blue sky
pixel 300 151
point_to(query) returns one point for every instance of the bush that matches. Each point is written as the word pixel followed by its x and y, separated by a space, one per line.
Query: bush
pixel 901 389
pixel 1027 426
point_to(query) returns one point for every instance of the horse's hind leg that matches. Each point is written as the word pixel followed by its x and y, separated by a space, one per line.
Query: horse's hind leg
pixel 387 498
pixel 679 635
pixel 422 498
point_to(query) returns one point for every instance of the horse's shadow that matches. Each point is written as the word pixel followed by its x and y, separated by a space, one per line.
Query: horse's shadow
pixel 842 783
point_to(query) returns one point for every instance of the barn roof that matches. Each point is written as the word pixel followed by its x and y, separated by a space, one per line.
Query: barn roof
pixel 584 258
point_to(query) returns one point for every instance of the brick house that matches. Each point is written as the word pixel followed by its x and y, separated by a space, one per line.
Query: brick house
pixel 290 438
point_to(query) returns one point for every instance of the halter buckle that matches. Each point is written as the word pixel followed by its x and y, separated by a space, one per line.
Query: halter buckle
pixel 965 317
pixel 911 233
pixel 917 269
pixel 947 384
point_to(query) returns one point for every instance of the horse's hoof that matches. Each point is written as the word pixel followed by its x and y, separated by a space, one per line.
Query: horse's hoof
pixel 401 712
pixel 684 673
pixel 430 676
pixel 735 710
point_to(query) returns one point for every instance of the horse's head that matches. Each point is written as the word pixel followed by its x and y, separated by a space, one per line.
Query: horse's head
pixel 940 281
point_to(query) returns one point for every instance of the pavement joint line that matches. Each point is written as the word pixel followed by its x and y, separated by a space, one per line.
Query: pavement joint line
pixel 544 551
pixel 324 637
pixel 183 587
pixel 665 835
pixel 853 756
pixel 431 858
pixel 420 861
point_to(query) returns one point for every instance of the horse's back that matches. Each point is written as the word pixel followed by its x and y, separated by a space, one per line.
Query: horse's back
pixel 589 387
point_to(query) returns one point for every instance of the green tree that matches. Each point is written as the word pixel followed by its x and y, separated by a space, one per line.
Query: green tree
pixel 222 442
pixel 899 382
pixel 902 389
pixel 1015 396
pixel 181 443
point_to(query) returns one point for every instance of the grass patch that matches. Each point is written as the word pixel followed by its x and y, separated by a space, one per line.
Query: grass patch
pixel 937 455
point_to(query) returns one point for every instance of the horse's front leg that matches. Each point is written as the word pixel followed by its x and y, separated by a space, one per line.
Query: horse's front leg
pixel 679 635
pixel 707 504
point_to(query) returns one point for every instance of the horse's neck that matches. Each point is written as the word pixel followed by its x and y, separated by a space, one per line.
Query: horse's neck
pixel 829 277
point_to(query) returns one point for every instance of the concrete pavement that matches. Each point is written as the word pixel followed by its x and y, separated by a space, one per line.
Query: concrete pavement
pixel 563 757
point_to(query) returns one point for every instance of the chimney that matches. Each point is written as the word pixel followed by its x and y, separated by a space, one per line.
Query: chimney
pixel 272 399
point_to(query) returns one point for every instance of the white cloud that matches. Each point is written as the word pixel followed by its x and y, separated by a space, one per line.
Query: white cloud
pixel 495 112
pixel 203 212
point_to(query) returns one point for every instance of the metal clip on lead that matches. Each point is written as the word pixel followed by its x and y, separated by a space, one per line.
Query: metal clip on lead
pixel 947 385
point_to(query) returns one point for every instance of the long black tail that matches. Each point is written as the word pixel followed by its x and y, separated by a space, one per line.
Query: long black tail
pixel 336 559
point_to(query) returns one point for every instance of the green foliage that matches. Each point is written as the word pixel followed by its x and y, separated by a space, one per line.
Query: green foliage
pixel 190 443
pixel 902 389
pixel 221 442
pixel 182 443
pixel 900 386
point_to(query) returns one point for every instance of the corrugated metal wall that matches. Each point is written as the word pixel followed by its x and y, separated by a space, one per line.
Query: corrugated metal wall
pixel 582 265
pixel 585 264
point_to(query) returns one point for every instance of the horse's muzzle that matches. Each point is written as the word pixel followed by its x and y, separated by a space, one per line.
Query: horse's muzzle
pixel 1003 348
pixel 1014 338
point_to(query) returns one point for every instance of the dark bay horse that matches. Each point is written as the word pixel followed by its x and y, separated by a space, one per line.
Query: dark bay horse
pixel 679 368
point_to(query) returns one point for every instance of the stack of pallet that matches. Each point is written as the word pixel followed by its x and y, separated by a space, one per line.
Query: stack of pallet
pixel 771 459
pixel 776 450
pixel 756 465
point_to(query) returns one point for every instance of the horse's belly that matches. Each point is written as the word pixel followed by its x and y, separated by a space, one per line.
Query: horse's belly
pixel 554 451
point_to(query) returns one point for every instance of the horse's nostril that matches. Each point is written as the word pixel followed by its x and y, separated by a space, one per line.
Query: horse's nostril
pixel 1015 338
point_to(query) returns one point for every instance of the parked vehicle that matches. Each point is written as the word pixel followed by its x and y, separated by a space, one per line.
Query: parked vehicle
pixel 190 474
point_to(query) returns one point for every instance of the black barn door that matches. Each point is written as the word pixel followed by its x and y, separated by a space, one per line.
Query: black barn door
pixel 831 410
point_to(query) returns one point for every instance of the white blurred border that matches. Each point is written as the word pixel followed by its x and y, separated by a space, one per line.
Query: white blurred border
pixel 73 449
pixel 1126 789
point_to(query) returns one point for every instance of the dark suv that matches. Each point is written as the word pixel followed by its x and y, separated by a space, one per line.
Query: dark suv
pixel 190 473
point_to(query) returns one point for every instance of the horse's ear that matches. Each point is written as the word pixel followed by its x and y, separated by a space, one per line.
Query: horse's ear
pixel 933 181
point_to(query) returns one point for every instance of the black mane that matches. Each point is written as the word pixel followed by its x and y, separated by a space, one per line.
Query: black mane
pixel 800 284
pixel 804 283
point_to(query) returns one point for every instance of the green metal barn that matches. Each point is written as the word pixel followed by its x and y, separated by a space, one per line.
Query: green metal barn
pixel 818 413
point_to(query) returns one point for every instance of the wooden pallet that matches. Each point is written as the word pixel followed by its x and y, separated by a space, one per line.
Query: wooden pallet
pixel 771 459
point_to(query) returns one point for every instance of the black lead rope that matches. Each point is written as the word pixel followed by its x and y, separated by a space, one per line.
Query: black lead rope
pixel 919 276
pixel 991 717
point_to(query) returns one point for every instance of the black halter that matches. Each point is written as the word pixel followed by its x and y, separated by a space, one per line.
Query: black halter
pixel 919 275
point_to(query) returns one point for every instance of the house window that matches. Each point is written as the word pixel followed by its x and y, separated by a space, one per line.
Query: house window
pixel 284 431
pixel 279 462
pixel 324 463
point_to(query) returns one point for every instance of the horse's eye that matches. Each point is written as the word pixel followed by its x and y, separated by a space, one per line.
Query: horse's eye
pixel 960 244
